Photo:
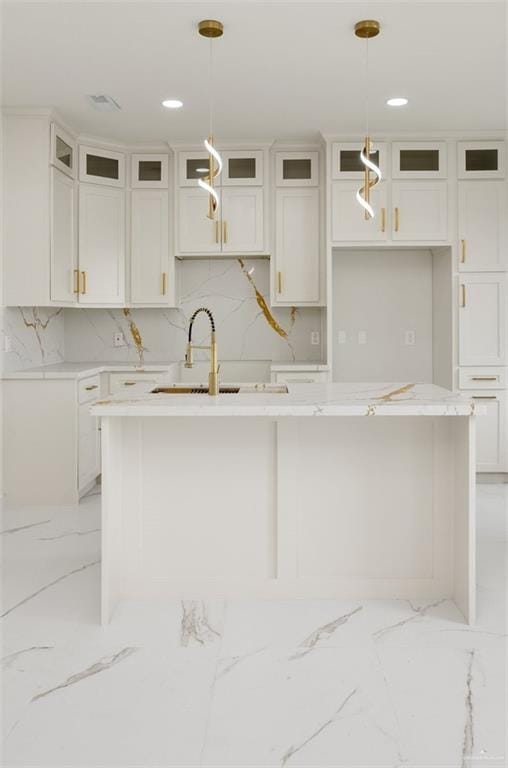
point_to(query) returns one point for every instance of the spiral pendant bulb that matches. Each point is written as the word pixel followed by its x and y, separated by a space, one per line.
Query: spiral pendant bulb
pixel 363 194
pixel 215 166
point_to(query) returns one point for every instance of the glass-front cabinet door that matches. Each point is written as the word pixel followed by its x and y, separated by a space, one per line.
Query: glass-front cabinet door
pixel 419 160
pixel 193 166
pixel 149 171
pixel 346 161
pixel 242 168
pixel 63 151
pixel 297 169
pixel 101 166
pixel 481 159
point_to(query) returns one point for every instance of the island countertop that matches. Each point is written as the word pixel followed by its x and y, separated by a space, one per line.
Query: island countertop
pixel 333 399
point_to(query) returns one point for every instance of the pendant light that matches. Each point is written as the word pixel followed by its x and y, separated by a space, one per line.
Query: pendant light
pixel 211 29
pixel 365 30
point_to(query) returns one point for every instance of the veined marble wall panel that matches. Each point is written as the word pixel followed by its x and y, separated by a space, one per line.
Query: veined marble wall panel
pixel 36 336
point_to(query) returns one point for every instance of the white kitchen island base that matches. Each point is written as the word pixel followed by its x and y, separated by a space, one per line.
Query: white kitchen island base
pixel 288 507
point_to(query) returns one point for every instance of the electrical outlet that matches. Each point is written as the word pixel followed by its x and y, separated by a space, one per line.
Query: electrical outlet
pixel 118 339
pixel 314 337
pixel 409 338
pixel 341 337
pixel 362 337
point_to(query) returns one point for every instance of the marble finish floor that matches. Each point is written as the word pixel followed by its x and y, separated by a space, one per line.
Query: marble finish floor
pixel 299 683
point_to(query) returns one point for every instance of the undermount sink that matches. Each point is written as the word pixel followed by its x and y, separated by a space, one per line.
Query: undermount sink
pixel 247 389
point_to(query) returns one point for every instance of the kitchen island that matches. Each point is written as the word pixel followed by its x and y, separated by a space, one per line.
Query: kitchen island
pixel 323 491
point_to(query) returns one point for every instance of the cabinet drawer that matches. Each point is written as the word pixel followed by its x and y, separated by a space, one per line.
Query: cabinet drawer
pixel 122 382
pixel 301 377
pixel 486 378
pixel 89 389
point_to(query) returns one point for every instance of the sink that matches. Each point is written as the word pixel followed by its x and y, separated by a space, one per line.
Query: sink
pixel 244 389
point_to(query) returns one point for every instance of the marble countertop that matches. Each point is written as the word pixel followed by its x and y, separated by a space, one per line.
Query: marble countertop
pixel 82 370
pixel 299 366
pixel 352 399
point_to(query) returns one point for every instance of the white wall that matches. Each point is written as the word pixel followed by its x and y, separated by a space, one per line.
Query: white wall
pixel 384 293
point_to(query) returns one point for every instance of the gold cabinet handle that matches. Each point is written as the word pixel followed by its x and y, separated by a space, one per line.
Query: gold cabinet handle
pixel 462 295
pixel 462 251
pixel 164 283
pixel 76 281
pixel 397 219
pixel 129 383
pixel 383 219
pixel 483 378
pixel 484 397
pixel 224 231
pixel 92 386
pixel 83 282
pixel 279 282
pixel 217 231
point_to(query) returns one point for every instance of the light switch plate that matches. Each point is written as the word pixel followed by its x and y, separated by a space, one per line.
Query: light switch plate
pixel 409 338
pixel 362 337
pixel 314 337
pixel 341 337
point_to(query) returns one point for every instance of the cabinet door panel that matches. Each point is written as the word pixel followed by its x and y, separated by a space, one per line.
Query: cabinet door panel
pixel 102 244
pixel 491 437
pixel 348 220
pixel 149 247
pixel 63 151
pixel 102 166
pixel 63 238
pixel 242 220
pixel 482 320
pixel 196 232
pixel 481 159
pixel 419 211
pixel 242 168
pixel 483 241
pixel 297 254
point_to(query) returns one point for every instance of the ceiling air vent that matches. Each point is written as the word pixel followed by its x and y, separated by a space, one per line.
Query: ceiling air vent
pixel 103 103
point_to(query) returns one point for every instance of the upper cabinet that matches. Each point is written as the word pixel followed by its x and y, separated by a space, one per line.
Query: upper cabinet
pixel 101 166
pixel 346 162
pixel 419 160
pixel 242 168
pixel 63 238
pixel 149 171
pixel 481 159
pixel 419 211
pixel 483 236
pixel 63 151
pixel 348 220
pixel 297 169
pixel 239 224
pixel 297 264
pixel 152 279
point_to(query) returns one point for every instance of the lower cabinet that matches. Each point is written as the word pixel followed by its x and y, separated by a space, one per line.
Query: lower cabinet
pixel 122 382
pixel 89 450
pixel 482 319
pixel 297 246
pixel 491 431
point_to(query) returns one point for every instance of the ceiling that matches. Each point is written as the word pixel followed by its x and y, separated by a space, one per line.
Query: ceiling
pixel 283 70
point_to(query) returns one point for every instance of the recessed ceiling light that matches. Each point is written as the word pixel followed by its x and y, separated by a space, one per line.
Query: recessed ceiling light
pixel 172 103
pixel 399 101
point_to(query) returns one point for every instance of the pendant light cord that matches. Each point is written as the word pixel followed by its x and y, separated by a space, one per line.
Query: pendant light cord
pixel 210 85
pixel 367 85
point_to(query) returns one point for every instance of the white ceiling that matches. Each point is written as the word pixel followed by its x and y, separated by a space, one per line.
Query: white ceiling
pixel 282 69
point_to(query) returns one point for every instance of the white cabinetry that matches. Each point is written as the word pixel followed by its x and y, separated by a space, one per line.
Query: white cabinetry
pixel 419 211
pixel 63 238
pixel 63 151
pixel 152 280
pixel 101 166
pixel 482 319
pixel 419 160
pixel 491 442
pixel 240 220
pixel 101 244
pixel 89 453
pixel 481 159
pixel 297 245
pixel 483 212
pixel 348 221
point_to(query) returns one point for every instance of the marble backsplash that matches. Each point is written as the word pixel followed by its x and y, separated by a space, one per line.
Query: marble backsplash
pixel 235 290
pixel 31 336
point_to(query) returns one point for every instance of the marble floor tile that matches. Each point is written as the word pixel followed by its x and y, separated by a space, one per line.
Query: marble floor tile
pixel 377 684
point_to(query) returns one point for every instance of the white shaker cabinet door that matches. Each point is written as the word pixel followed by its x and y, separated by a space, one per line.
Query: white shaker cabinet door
pixel 420 211
pixel 348 217
pixel 491 435
pixel 297 245
pixel 482 319
pixel 483 213
pixel 196 232
pixel 101 244
pixel 63 238
pixel 150 247
pixel 242 219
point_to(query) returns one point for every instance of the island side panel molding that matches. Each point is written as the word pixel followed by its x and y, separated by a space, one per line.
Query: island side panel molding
pixel 465 516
